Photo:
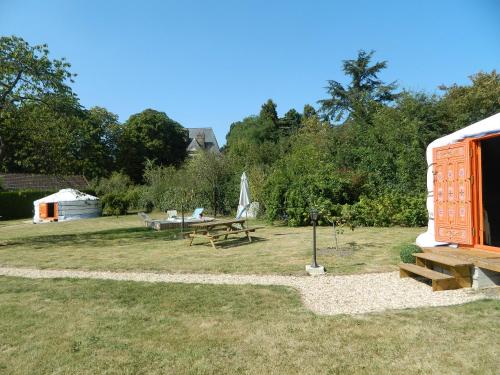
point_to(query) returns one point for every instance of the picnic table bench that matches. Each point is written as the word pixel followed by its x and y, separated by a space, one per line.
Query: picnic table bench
pixel 215 230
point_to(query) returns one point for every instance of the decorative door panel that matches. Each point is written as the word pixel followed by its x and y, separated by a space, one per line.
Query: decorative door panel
pixel 453 235
pixel 440 190
pixel 452 193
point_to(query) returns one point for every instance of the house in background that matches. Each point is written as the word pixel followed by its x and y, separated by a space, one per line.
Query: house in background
pixel 202 139
pixel 41 182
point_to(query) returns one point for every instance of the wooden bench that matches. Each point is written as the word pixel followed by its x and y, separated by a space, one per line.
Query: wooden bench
pixel 440 281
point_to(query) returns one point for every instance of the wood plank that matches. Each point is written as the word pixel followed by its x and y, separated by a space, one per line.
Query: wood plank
pixel 446 284
pixel 480 258
pixel 448 261
pixel 489 264
pixel 425 272
pixel 218 223
pixel 226 233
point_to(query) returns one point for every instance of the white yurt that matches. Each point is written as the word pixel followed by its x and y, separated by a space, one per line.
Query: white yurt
pixel 463 184
pixel 66 204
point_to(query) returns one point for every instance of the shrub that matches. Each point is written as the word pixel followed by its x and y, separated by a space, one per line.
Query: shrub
pixel 115 203
pixel 387 210
pixel 117 194
pixel 406 253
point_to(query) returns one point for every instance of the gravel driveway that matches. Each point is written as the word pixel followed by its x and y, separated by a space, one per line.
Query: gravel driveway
pixel 326 295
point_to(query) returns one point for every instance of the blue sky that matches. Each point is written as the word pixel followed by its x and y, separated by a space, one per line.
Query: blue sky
pixel 210 63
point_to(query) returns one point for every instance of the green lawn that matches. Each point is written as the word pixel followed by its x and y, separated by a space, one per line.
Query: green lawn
pixel 88 327
pixel 121 243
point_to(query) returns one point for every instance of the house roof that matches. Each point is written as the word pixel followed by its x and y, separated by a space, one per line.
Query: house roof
pixel 25 181
pixel 211 143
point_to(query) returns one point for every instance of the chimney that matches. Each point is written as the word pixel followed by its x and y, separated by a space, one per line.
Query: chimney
pixel 200 138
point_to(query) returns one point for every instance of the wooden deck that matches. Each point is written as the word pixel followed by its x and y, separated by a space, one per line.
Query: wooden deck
pixel 481 258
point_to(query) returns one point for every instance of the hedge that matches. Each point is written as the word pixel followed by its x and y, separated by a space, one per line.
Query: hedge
pixel 19 204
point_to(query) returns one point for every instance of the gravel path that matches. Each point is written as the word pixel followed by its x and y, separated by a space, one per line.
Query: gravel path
pixel 327 295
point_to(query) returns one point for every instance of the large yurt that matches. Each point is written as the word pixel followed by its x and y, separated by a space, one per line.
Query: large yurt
pixel 464 188
pixel 66 204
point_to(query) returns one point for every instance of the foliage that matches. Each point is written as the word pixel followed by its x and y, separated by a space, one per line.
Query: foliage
pixel 71 140
pixel 268 111
pixel 387 209
pixel 390 153
pixel 114 204
pixel 306 177
pixel 364 92
pixel 19 204
pixel 406 253
pixel 211 179
pixel 117 193
pixel 166 188
pixel 463 105
pixel 205 180
pixel 151 135
pixel 367 169
pixel 27 74
pixel 252 130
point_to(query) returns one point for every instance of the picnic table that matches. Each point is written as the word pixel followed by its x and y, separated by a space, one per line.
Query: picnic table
pixel 215 230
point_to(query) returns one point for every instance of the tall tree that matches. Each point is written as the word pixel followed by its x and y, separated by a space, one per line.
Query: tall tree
pixel 59 138
pixel 309 112
pixel 28 74
pixel 268 111
pixel 151 135
pixel 96 142
pixel 290 121
pixel 365 90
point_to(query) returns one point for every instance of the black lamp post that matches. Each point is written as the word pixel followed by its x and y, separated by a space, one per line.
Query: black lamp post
pixel 314 218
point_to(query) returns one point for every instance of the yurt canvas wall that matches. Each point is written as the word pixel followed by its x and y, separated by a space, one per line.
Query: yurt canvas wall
pixel 66 204
pixel 464 188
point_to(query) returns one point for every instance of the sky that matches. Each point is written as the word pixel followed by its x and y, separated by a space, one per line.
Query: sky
pixel 211 63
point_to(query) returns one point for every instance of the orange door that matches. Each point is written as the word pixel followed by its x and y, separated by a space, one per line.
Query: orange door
pixel 452 193
pixel 44 210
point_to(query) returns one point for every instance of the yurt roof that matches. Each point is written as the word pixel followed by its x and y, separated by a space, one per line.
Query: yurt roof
pixel 490 125
pixel 66 195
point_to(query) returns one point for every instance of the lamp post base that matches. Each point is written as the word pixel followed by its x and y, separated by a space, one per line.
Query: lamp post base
pixel 315 271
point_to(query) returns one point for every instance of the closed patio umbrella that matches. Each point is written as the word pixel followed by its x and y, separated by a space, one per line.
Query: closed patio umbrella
pixel 244 202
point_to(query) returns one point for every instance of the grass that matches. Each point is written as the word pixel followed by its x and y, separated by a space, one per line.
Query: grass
pixel 111 243
pixel 116 327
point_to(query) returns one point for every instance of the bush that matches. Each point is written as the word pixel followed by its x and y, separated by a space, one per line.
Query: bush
pixel 115 203
pixel 407 251
pixel 117 194
pixel 387 210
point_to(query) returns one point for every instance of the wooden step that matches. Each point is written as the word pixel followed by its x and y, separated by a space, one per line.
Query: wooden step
pixel 447 261
pixel 458 268
pixel 425 272
pixel 440 281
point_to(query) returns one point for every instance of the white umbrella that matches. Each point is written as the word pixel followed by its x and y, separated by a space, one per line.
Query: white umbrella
pixel 244 202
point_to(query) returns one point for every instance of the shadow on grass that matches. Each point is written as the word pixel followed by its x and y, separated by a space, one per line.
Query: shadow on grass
pixel 97 238
pixel 232 242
